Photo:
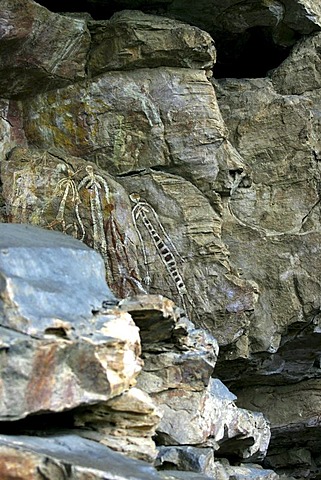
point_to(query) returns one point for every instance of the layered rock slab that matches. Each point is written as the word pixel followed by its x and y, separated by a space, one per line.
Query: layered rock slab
pixel 66 456
pixel 125 423
pixel 132 39
pixel 58 355
pixel 40 50
pixel 197 410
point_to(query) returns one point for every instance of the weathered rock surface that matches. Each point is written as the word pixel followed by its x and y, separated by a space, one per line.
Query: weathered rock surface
pixel 40 50
pixel 57 191
pixel 67 194
pixel 222 218
pixel 305 56
pixel 132 39
pixel 162 117
pixel 196 409
pixel 274 124
pixel 125 423
pixel 66 456
pixel 201 460
pixel 278 211
pixel 251 36
pixel 56 353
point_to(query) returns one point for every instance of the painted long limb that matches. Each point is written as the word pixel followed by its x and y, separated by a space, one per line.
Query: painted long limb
pixel 104 184
pixel 61 210
pixel 99 232
pixel 82 227
pixel 135 215
pixel 83 182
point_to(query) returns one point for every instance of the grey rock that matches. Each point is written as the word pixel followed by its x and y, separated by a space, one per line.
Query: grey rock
pixel 201 418
pixel 125 423
pixel 61 455
pixel 132 39
pixel 186 458
pixel 305 56
pixel 47 277
pixel 248 472
pixel 298 15
pixel 177 475
pixel 57 353
pixel 277 212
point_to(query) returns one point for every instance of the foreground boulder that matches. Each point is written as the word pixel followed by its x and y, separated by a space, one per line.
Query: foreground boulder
pixel 59 351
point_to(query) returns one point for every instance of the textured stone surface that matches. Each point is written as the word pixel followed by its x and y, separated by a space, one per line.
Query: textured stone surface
pixel 132 39
pixel 211 418
pixel 65 193
pixel 274 123
pixel 194 228
pixel 40 50
pixel 305 56
pixel 297 15
pixel 178 356
pixel 138 119
pixel 42 283
pixel 189 458
pixel 57 353
pixel 277 211
pixel 66 456
pixel 125 423
pixel 196 409
pixel 223 218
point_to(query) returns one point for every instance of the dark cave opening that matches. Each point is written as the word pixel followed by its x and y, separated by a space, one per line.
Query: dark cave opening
pixel 248 54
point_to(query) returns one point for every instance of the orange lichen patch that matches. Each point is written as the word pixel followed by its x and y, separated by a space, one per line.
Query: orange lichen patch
pixel 18 465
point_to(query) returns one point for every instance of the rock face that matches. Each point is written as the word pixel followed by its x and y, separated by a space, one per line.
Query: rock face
pixel 66 456
pixel 70 358
pixel 277 212
pixel 34 55
pixel 132 39
pixel 197 410
pixel 203 191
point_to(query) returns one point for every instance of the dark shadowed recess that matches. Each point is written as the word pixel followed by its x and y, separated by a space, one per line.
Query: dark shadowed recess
pixel 249 54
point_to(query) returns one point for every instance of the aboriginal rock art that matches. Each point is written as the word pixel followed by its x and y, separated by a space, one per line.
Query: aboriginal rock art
pixel 76 198
pixel 92 192
pixel 68 188
pixel 98 191
pixel 144 212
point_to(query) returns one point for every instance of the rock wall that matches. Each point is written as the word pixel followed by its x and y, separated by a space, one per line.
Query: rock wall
pixel 182 144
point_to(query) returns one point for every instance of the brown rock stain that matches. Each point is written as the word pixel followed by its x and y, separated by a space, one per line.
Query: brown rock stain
pixel 15 465
pixel 42 383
